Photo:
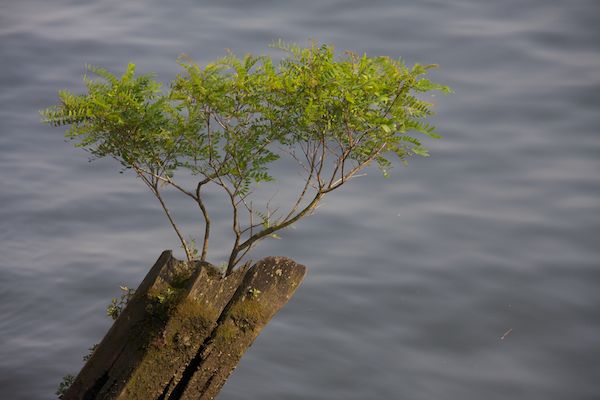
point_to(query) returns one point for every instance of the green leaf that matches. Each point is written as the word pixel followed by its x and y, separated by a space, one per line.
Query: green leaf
pixel 420 151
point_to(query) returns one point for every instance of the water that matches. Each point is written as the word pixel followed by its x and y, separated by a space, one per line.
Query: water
pixel 413 280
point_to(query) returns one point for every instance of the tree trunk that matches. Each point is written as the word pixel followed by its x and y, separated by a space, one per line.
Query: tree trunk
pixel 185 329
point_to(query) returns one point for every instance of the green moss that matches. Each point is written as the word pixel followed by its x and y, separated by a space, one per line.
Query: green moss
pixel 181 274
pixel 177 329
pixel 143 382
pixel 228 331
pixel 189 320
pixel 249 309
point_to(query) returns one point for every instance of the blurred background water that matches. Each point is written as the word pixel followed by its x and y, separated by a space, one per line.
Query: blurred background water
pixel 413 279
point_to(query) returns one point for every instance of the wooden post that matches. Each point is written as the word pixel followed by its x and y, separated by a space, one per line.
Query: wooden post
pixel 184 330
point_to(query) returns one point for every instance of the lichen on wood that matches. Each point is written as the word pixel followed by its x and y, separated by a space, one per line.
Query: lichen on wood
pixel 185 330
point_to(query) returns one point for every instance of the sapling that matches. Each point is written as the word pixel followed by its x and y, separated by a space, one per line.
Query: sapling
pixel 227 122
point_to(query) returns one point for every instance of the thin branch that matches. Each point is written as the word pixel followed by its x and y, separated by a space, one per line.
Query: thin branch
pixel 305 188
pixel 340 164
pixel 167 180
pixel 219 121
pixel 236 231
pixel 292 154
pixel 206 219
pixel 154 188
pixel 268 231
pixel 321 161
pixel 354 170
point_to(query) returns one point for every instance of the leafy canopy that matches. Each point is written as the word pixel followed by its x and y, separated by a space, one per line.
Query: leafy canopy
pixel 228 121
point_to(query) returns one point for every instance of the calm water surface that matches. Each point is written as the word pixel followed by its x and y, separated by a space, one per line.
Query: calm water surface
pixel 413 279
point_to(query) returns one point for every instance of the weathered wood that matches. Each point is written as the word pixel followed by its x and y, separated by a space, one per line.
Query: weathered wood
pixel 184 330
pixel 265 289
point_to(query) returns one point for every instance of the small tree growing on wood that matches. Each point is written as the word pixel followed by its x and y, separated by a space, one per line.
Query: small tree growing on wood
pixel 227 122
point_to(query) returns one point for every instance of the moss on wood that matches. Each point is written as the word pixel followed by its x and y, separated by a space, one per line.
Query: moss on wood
pixel 185 330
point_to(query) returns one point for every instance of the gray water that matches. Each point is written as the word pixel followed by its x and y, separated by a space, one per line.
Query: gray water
pixel 413 279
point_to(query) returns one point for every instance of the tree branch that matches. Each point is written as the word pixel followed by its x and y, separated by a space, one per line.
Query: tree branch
pixel 206 219
pixel 154 188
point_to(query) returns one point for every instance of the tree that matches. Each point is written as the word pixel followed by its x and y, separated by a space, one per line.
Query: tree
pixel 227 122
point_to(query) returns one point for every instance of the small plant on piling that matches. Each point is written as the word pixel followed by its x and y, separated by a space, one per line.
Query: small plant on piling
pixel 64 385
pixel 226 123
pixel 117 305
